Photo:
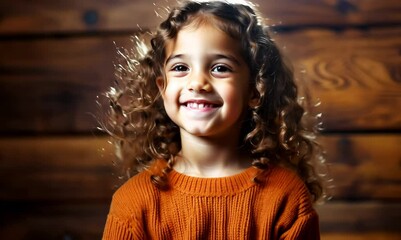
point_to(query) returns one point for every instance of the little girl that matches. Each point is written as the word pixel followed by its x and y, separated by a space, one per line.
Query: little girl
pixel 209 122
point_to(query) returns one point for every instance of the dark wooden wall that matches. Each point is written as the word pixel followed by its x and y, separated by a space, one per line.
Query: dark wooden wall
pixel 57 56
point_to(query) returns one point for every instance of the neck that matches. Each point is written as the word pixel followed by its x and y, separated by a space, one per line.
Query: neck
pixel 210 157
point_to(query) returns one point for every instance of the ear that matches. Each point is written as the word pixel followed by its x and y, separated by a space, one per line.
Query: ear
pixel 160 84
pixel 253 102
pixel 254 99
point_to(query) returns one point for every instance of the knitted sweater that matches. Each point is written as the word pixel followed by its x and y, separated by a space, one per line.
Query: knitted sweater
pixel 231 207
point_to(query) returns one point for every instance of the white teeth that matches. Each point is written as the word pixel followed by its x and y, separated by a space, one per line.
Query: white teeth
pixel 194 105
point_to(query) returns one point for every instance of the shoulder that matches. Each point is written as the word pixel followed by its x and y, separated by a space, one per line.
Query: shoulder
pixel 136 183
pixel 287 200
pixel 132 196
pixel 284 176
pixel 290 189
pixel 128 208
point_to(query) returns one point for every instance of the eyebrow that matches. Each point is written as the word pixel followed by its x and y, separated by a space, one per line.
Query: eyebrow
pixel 213 56
pixel 173 57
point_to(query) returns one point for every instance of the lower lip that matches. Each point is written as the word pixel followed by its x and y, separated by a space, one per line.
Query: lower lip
pixel 201 112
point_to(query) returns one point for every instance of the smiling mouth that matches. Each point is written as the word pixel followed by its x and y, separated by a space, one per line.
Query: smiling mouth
pixel 200 105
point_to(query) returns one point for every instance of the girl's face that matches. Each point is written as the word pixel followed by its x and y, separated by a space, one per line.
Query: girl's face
pixel 207 81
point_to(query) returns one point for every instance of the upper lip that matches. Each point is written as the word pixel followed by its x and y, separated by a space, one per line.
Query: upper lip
pixel 200 101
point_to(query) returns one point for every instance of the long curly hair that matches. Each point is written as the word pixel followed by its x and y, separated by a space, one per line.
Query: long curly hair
pixel 274 130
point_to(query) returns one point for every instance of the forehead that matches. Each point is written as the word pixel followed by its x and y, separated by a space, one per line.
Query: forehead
pixel 202 37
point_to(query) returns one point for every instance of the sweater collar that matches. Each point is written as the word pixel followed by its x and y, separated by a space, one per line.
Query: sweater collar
pixel 213 186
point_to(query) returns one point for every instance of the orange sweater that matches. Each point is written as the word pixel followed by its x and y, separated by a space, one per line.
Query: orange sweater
pixel 213 208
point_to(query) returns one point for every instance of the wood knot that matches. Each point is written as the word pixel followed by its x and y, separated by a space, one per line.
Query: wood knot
pixel 345 7
pixel 91 17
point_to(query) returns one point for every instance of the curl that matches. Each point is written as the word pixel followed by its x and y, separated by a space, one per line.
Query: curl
pixel 274 131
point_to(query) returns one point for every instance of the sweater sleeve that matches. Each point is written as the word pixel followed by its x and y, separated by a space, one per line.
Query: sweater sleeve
pixel 305 227
pixel 124 221
pixel 299 220
pixel 115 229
pixel 118 227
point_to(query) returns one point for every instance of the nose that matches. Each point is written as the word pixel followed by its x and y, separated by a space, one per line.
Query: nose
pixel 199 82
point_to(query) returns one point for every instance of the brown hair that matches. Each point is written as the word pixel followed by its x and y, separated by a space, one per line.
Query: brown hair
pixel 272 132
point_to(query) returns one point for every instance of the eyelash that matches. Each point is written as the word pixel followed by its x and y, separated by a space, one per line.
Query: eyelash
pixel 179 68
pixel 175 68
pixel 226 68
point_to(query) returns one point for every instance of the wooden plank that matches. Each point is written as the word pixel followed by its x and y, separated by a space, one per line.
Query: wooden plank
pixel 355 74
pixel 359 217
pixel 21 17
pixel 52 221
pixel 80 168
pixel 51 85
pixel 56 169
pixel 364 166
pixel 64 221
pixel 369 235
pixel 43 16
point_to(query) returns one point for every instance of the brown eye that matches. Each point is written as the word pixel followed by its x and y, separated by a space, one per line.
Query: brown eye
pixel 221 69
pixel 180 68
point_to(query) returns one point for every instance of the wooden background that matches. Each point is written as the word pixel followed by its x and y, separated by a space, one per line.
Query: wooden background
pixel 56 56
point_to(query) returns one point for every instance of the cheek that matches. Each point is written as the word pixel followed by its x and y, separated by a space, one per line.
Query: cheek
pixel 168 106
pixel 170 93
pixel 237 97
pixel 170 99
pixel 235 100
pixel 237 93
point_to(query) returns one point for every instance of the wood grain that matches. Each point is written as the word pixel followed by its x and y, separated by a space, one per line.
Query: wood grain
pixel 44 16
pixel 31 221
pixel 64 183
pixel 338 220
pixel 51 85
pixel 369 235
pixel 365 167
pixel 356 75
pixel 56 169
pixel 57 179
pixel 359 217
